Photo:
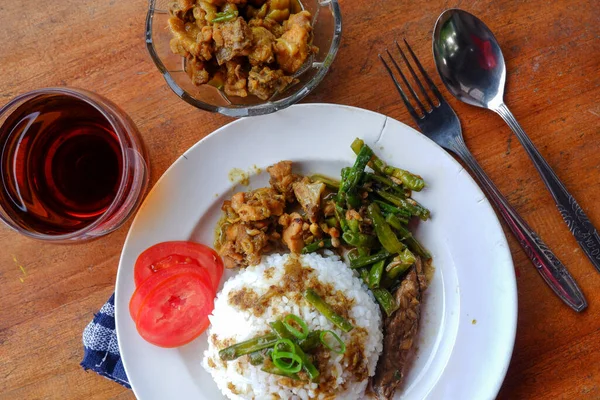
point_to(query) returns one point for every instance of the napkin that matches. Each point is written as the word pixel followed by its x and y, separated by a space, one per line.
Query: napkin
pixel 101 349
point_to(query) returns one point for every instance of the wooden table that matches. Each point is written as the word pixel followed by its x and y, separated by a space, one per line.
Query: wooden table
pixel 552 51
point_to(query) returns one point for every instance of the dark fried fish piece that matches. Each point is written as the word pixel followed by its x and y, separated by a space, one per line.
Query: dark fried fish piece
pixel 399 332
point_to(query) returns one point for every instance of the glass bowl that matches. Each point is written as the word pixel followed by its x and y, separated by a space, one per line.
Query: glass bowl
pixel 327 30
pixel 134 170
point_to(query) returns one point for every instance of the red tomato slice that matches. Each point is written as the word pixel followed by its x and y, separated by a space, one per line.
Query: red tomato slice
pixel 142 270
pixel 165 255
pixel 156 278
pixel 176 311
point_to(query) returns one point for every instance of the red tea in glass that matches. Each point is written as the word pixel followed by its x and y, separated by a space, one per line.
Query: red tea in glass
pixel 71 164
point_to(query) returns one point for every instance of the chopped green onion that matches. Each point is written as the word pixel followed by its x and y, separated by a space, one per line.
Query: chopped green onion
pixel 298 334
pixel 287 344
pixel 291 367
pixel 342 345
pixel 316 301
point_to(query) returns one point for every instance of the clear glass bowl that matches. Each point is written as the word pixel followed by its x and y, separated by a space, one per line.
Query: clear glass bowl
pixel 327 30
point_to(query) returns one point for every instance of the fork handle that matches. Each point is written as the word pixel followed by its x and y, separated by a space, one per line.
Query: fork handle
pixel 547 264
pixel 578 223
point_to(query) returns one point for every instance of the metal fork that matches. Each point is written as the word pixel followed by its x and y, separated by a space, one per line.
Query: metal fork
pixel 438 121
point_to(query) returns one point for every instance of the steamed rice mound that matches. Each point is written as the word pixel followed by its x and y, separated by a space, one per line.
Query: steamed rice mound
pixel 266 292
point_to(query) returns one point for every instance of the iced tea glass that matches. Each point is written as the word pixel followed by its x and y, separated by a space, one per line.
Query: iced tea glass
pixel 72 164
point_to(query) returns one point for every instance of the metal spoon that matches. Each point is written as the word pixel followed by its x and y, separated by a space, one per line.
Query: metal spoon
pixel 471 65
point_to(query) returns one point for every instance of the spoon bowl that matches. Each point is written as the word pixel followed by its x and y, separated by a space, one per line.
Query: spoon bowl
pixel 469 59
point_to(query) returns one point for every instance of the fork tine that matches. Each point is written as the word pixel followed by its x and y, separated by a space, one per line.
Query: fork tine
pixel 409 106
pixel 412 92
pixel 432 86
pixel 414 75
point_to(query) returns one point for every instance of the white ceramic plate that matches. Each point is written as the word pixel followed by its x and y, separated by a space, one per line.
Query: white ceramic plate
pixel 469 320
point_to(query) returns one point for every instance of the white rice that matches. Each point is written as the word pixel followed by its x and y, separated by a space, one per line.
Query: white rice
pixel 231 324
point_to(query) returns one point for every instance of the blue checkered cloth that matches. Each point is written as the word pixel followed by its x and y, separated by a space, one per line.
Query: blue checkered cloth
pixel 101 349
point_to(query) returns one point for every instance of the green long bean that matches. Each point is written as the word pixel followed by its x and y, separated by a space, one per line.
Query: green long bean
pixel 400 264
pixel 355 174
pixel 248 346
pixel 353 199
pixel 330 183
pixel 272 369
pixel 316 301
pixel 283 333
pixel 396 223
pixel 395 272
pixel 364 275
pixel 403 214
pixel 411 242
pixel 375 163
pixel 376 273
pixel 311 342
pixel 384 232
pixel 386 182
pixel 408 204
pixel 363 261
pixel 410 180
pixel 386 300
pixel 318 244
pixel 353 225
pixel 256 358
pixel 339 215
pixel 360 240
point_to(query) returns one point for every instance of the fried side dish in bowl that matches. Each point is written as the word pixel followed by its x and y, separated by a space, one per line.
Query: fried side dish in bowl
pixel 243 57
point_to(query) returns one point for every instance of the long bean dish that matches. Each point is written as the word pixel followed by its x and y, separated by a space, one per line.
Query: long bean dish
pixel 365 217
pixel 242 46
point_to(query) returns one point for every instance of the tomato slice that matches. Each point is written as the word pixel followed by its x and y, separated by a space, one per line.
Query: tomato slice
pixel 176 311
pixel 155 279
pixel 167 254
pixel 144 269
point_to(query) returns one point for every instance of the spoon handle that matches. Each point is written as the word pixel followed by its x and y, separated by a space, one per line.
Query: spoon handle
pixel 574 216
pixel 554 273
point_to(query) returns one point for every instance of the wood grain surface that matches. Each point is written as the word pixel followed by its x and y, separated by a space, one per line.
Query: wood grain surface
pixel 552 51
